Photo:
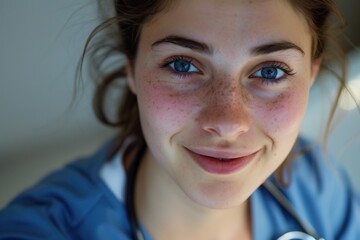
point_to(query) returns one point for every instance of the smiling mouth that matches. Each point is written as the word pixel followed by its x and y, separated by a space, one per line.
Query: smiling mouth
pixel 216 164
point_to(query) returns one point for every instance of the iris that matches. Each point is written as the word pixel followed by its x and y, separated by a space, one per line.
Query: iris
pixel 269 72
pixel 182 65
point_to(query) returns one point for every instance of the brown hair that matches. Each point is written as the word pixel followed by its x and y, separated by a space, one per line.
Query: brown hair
pixel 125 28
pixel 325 43
pixel 325 46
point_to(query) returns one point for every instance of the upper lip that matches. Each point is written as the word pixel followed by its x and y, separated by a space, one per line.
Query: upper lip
pixel 220 153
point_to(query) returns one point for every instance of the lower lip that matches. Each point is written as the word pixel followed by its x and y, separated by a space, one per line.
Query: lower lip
pixel 216 166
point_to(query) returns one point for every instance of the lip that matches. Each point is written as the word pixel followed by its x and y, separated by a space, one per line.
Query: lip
pixel 210 160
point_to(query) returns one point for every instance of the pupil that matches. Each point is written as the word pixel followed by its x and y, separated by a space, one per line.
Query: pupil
pixel 182 65
pixel 269 72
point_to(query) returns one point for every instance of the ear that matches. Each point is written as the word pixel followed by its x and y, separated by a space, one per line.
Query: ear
pixel 130 77
pixel 315 68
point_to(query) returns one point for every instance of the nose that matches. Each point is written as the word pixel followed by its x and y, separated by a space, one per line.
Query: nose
pixel 225 113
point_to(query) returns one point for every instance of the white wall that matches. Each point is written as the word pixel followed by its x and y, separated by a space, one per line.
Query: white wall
pixel 40 44
pixel 344 138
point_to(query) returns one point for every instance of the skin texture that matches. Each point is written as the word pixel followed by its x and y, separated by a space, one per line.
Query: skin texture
pixel 221 107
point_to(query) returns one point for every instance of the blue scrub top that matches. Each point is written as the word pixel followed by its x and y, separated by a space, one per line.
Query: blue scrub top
pixel 75 203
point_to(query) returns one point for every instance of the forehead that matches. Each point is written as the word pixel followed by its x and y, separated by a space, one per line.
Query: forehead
pixel 230 21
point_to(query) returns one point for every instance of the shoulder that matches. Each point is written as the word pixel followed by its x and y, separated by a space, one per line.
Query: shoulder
pixel 321 192
pixel 72 202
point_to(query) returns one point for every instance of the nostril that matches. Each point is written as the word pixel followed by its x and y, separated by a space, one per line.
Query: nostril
pixel 227 130
pixel 212 130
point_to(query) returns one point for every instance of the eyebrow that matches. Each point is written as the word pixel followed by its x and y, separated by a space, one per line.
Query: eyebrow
pixel 205 48
pixel 275 47
pixel 185 42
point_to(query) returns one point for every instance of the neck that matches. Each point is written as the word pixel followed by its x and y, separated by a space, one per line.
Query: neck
pixel 164 210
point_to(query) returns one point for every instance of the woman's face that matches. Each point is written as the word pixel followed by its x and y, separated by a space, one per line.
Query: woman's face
pixel 222 87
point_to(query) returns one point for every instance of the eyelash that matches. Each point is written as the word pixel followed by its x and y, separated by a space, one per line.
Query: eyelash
pixel 178 74
pixel 278 65
pixel 265 81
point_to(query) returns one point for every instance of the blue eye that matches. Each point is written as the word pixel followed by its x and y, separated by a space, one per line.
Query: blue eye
pixel 269 73
pixel 183 66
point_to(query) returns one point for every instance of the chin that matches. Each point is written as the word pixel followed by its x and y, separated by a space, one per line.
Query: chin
pixel 221 195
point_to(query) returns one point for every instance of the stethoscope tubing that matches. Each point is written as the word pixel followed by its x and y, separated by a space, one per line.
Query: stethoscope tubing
pixel 284 202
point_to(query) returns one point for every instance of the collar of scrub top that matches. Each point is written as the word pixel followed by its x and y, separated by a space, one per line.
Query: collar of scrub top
pixel 308 234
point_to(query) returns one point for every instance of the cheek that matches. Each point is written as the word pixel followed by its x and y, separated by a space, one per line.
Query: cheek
pixel 161 108
pixel 282 116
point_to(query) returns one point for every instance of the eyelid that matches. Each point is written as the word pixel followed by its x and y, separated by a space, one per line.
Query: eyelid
pixel 270 83
pixel 288 70
pixel 191 60
pixel 171 59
